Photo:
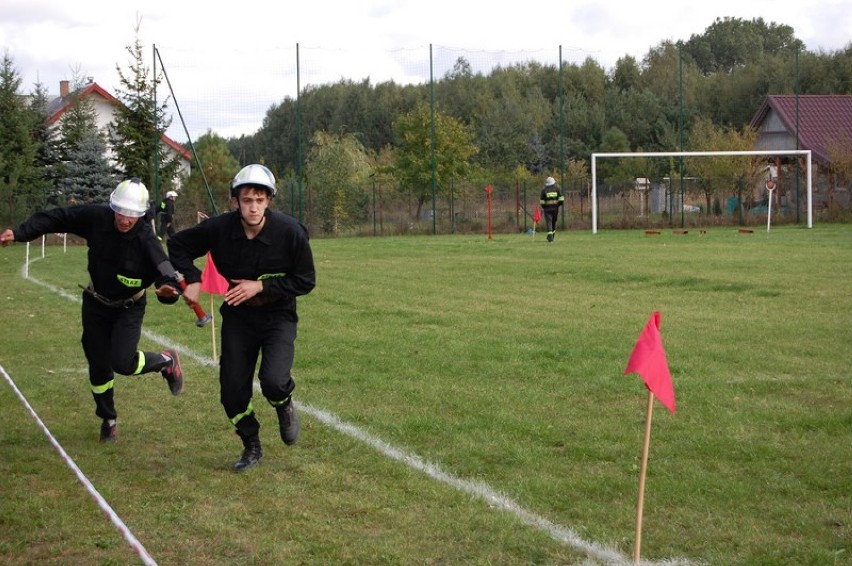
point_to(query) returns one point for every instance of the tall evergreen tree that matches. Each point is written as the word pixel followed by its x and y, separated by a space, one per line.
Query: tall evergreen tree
pixel 20 178
pixel 86 174
pixel 48 155
pixel 139 124
pixel 78 120
pixel 89 177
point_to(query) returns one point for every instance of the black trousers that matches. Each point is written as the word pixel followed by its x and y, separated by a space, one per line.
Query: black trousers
pixel 550 217
pixel 249 333
pixel 110 343
pixel 167 228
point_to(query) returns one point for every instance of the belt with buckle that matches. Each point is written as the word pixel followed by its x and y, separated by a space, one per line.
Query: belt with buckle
pixel 124 303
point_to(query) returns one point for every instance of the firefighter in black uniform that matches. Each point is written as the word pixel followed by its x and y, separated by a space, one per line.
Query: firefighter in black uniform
pixel 167 210
pixel 266 257
pixel 551 199
pixel 125 258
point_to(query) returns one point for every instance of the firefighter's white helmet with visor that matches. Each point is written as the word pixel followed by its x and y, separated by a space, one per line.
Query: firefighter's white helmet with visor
pixel 549 182
pixel 171 194
pixel 255 175
pixel 130 198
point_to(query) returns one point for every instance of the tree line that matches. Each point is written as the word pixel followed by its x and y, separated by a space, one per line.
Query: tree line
pixel 530 120
pixel 335 142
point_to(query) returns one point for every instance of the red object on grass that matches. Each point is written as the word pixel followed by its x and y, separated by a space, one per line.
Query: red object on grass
pixel 649 361
pixel 537 215
pixel 211 280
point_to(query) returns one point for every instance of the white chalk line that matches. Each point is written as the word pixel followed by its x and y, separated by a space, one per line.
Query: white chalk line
pixel 105 507
pixel 481 490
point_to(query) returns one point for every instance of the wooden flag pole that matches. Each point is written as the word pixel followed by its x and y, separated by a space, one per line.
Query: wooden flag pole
pixel 642 473
pixel 213 329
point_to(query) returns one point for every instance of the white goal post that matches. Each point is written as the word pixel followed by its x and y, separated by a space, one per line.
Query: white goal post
pixel 595 157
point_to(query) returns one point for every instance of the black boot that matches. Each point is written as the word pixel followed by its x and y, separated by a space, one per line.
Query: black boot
pixel 288 422
pixel 252 453
pixel 108 431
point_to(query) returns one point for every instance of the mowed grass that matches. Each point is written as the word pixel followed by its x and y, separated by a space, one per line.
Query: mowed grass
pixel 497 362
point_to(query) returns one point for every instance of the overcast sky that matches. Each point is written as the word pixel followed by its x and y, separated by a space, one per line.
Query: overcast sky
pixel 228 63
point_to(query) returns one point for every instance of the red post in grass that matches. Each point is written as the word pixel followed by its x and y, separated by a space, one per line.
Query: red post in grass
pixel 488 190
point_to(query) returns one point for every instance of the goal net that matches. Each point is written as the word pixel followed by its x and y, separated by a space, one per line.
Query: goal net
pixel 676 195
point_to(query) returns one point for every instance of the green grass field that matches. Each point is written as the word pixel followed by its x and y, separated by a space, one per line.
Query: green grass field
pixel 462 401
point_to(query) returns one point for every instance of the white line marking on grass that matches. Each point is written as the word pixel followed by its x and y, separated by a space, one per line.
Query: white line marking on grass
pixel 105 507
pixel 481 490
pixel 477 489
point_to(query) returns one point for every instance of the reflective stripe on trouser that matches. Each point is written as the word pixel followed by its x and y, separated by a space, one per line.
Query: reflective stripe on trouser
pixel 104 400
pixel 246 423
pixel 249 333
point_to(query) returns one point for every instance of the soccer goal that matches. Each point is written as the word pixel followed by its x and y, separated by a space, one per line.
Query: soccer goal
pixel 654 154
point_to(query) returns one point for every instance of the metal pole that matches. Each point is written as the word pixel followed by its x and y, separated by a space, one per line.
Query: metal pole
pixel 680 127
pixel 796 88
pixel 156 127
pixel 434 163
pixel 562 138
pixel 299 134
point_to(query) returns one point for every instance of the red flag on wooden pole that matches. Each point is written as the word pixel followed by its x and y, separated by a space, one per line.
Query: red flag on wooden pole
pixel 649 361
pixel 213 283
pixel 211 280
pixel 537 215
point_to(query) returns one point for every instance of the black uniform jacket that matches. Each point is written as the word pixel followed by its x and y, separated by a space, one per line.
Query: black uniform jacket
pixel 280 256
pixel 167 209
pixel 551 198
pixel 120 265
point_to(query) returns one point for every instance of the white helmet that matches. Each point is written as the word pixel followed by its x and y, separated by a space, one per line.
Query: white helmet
pixel 171 194
pixel 549 182
pixel 256 175
pixel 130 198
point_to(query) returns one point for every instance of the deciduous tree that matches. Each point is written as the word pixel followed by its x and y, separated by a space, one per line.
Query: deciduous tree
pixel 453 148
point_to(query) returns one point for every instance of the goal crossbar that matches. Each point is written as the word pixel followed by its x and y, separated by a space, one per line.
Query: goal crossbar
pixel 595 156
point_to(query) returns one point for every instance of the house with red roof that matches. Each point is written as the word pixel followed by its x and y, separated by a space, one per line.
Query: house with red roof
pixel 104 104
pixel 819 123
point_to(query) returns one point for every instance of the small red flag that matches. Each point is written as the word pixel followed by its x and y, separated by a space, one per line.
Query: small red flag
pixel 649 361
pixel 211 280
pixel 537 215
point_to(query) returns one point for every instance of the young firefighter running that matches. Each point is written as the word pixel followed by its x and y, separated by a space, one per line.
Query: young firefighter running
pixel 267 259
pixel 551 199
pixel 125 258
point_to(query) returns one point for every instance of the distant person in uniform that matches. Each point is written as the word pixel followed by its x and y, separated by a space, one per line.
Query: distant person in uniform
pixel 551 199
pixel 167 212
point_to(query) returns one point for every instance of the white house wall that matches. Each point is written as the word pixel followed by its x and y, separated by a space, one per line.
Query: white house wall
pixel 104 115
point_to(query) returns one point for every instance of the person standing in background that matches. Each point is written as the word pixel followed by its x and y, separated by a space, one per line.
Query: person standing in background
pixel 167 212
pixel 550 200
